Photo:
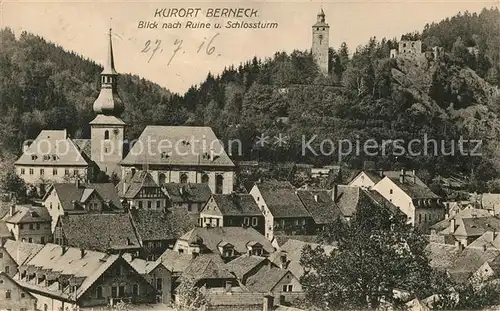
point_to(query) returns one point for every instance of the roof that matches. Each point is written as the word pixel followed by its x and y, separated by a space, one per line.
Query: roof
pixel 348 198
pixel 134 183
pixel 239 237
pixel 489 239
pixel 235 299
pixel 52 148
pixel 25 214
pixel 180 193
pixel 21 251
pixel 154 225
pixel 470 260
pixel 237 204
pixel 99 231
pixel 293 250
pixel 414 187
pixel 320 205
pixel 84 145
pixel 466 213
pixel 174 261
pixel 265 280
pixel 142 266
pixel 244 264
pixel 86 269
pixel 281 199
pixel 206 266
pixel 491 201
pixel 4 230
pixel 441 256
pixel 178 145
pixel 102 119
pixel 69 193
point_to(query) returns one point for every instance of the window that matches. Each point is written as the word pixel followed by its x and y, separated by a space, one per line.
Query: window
pixel 1 255
pixel 21 226
pixel 189 207
pixel 66 172
pixel 106 134
pixel 246 221
pixel 149 204
pixel 7 294
pixel 254 221
pixel 54 171
pixel 42 171
pixel 135 290
pixel 30 240
pixel 31 171
pixel 162 178
pixel 7 269
pixel 37 226
pixel 23 295
pixel 114 291
pixel 140 204
pixel 158 204
pixel 419 218
pixel 42 240
pixel 390 191
pixel 159 282
pixel 184 178
pixel 205 179
pixel 219 182
pixel 32 226
pixel 22 171
pixel 287 288
pixel 121 291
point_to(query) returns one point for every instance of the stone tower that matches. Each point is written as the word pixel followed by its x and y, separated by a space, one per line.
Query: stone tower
pixel 107 129
pixel 320 46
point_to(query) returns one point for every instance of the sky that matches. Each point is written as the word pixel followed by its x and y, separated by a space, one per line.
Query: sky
pixel 82 26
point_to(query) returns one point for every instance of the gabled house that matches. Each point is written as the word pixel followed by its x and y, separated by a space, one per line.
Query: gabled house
pixel 13 296
pixel 189 197
pixel 113 233
pixel 140 191
pixel 246 266
pixel 29 223
pixel 283 211
pixel 321 205
pixel 232 210
pixel 80 198
pixel 413 197
pixel 158 230
pixel 62 277
pixel 491 202
pixel 16 253
pixel 228 242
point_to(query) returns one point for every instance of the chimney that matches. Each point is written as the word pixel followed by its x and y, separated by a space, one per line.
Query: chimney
pixel 381 173
pixel 63 249
pixel 316 197
pixel 12 209
pixel 229 285
pixel 268 303
pixel 77 183
pixel 402 176
pixel 283 261
pixel 414 177
pixel 452 225
pixel 211 154
pixel 82 253
pixel 335 193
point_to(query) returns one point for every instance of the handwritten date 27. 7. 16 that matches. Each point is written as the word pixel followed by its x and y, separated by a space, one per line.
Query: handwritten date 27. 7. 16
pixel 154 48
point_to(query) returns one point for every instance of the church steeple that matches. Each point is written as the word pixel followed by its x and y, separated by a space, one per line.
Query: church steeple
pixel 321 16
pixel 108 102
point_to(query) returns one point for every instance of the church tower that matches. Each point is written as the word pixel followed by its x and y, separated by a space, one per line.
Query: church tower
pixel 320 46
pixel 107 129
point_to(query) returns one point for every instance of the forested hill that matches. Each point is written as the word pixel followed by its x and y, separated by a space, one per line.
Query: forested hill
pixel 367 95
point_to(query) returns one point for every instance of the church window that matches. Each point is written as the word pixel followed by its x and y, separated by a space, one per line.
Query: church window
pixel 184 178
pixel 205 179
pixel 106 134
pixel 323 28
pixel 162 178
pixel 219 181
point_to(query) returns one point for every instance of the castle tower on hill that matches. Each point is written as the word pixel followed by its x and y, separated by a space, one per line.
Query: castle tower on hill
pixel 107 128
pixel 320 46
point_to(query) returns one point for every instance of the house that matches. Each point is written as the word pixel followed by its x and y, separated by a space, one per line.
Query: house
pixel 61 277
pixel 176 262
pixel 53 157
pixel 98 232
pixel 15 253
pixel 78 198
pixel 322 207
pixel 468 262
pixel 367 179
pixel 29 223
pixel 189 197
pixel 283 211
pixel 227 242
pixel 465 227
pixel 182 154
pixel 156 274
pixel 140 191
pixel 232 210
pixel 491 202
pixel 13 296
pixel 421 206
pixel 158 230
pixel 246 266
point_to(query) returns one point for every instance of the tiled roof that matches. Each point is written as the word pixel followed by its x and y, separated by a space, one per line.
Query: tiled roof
pixel 265 279
pixel 237 204
pixel 179 193
pixel 381 201
pixel 99 231
pixel 4 208
pixel 28 214
pixel 236 236
pixel 154 225
pixel 235 300
pixel 174 261
pixel 182 145
pixel 69 193
pixel 320 205
pixel 142 266
pixel 206 266
pixel 244 264
pixel 84 145
pixel 466 213
pixel 46 150
pixel 69 262
pixel 441 256
pixel 134 183
pixel 477 226
pixel 281 199
pixel 21 251
pixel 489 239
pixel 470 259
pixel 414 187
pixel 348 199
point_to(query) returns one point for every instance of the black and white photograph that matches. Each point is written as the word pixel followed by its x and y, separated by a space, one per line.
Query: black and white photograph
pixel 245 155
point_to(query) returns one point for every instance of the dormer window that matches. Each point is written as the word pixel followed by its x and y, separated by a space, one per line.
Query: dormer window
pixel 228 252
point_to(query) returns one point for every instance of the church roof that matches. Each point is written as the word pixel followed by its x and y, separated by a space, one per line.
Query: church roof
pixel 109 68
pixel 178 145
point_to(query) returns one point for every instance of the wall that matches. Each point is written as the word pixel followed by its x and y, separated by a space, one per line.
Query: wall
pixel 18 297
pixel 30 231
pixel 398 197
pixel 53 206
pixel 7 261
pixel 37 178
pixel 320 47
pixel 362 180
pixel 161 272
pixel 49 304
pixel 288 279
pixel 143 203
pixel 268 217
pixel 107 153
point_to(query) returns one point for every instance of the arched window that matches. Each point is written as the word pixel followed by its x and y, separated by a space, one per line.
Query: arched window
pixel 184 178
pixel 106 134
pixel 219 181
pixel 162 178
pixel 205 179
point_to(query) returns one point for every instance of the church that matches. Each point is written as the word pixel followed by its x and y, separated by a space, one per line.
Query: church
pixel 171 154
